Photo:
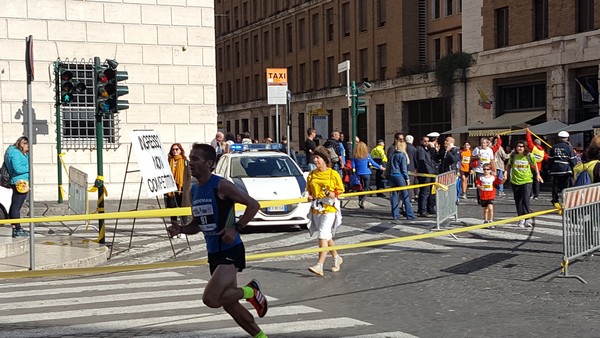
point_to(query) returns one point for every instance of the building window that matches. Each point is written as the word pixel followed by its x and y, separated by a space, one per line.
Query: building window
pixel 460 42
pixel 236 19
pixel 255 10
pixel 266 131
pixel 245 13
pixel 291 77
pixel 238 91
pixel 316 73
pixel 449 7
pixel 266 44
pixel 540 19
pixel 459 6
pixel 346 124
pixel 247 89
pixel 289 38
pixel 228 56
pixel 220 92
pixel 236 123
pixel 381 13
pixel 364 64
pixel 362 15
pixel 329 15
pixel 229 126
pixel 315 29
pixel 501 27
pixel 277 41
pixel 256 87
pixel 255 126
pixel 346 19
pixel 302 77
pixel 301 33
pixel 246 52
pixel 237 54
pixel 229 93
pixel 522 97
pixel 331 71
pixel 255 49
pixel 302 133
pixel 449 45
pixel 220 58
pixel 380 121
pixel 227 22
pixel 245 125
pixel 436 9
pixel 437 49
pixel 381 61
pixel 585 15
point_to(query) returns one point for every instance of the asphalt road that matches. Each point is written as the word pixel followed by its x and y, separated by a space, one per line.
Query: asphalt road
pixel 487 283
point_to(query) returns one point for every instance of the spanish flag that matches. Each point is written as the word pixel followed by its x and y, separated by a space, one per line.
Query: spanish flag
pixel 484 100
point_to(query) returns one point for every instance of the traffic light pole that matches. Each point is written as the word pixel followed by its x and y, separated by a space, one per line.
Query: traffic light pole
pixel 58 131
pixel 99 184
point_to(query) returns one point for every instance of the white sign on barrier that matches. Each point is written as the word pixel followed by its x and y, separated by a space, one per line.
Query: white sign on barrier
pixel 154 166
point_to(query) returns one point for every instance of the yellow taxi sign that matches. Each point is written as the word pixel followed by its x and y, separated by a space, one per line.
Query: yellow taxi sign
pixel 277 77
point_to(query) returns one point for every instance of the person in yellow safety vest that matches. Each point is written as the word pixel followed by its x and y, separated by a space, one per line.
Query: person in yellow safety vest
pixel 378 155
pixel 536 149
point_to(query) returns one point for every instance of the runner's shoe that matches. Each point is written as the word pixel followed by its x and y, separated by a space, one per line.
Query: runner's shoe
pixel 337 262
pixel 317 269
pixel 259 300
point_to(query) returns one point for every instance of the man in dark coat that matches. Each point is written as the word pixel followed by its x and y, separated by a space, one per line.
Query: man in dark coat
pixel 561 160
pixel 426 165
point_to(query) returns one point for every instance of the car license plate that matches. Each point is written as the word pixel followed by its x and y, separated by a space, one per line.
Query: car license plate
pixel 277 208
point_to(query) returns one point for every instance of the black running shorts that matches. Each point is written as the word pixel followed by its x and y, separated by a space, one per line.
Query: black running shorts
pixel 235 255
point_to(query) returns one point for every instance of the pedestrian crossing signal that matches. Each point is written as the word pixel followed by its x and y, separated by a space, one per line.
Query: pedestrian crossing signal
pixel 69 87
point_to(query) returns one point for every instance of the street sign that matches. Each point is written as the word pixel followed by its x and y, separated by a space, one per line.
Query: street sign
pixel 344 66
pixel 152 161
pixel 277 85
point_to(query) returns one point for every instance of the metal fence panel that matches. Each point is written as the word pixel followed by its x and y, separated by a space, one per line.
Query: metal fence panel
pixel 581 223
pixel 446 200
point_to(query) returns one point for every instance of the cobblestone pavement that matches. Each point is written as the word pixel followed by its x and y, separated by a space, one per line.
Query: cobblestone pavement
pixel 489 283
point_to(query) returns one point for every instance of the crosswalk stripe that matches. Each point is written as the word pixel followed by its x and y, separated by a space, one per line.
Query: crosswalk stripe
pixel 499 232
pixel 100 287
pixel 86 280
pixel 274 329
pixel 419 231
pixel 394 334
pixel 273 312
pixel 156 322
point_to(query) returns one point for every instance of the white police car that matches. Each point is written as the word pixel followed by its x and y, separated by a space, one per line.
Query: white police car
pixel 267 174
pixel 5 201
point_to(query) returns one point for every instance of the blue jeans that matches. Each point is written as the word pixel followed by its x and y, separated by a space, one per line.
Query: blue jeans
pixel 426 199
pixel 399 181
pixel 18 199
pixel 365 180
pixel 500 175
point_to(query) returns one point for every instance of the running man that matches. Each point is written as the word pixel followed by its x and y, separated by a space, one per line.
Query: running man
pixel 213 200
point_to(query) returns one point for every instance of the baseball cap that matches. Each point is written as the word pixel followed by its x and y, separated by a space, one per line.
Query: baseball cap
pixel 563 134
pixel 433 134
pixel 380 140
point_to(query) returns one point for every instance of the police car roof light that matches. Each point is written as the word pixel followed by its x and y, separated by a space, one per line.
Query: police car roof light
pixel 255 147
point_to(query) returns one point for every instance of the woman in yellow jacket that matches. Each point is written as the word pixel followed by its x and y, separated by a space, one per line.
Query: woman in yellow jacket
pixel 324 185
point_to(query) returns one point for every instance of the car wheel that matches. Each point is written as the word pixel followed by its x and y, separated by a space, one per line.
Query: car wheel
pixel 3 214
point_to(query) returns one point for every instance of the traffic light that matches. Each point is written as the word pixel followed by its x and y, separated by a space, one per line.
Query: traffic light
pixel 69 87
pixel 358 101
pixel 108 89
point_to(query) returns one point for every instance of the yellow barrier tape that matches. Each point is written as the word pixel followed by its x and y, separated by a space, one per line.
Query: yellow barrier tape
pixel 61 191
pixel 563 266
pixel 137 267
pixel 370 192
pixel 425 175
pixel 541 139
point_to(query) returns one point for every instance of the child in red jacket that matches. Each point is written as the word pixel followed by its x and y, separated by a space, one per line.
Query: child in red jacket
pixel 486 185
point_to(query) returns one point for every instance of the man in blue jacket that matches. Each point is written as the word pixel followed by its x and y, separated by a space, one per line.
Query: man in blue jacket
pixel 561 160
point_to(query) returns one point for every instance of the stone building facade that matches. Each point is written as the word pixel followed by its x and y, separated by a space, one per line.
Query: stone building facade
pixel 166 46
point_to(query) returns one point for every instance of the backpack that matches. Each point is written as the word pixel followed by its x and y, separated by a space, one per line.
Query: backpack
pixel 584 178
pixel 4 176
pixel 332 154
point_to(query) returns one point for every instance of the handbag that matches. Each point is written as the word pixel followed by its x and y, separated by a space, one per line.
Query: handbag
pixel 355 182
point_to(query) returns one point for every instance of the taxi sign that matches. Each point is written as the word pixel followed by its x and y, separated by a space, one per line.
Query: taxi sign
pixel 277 85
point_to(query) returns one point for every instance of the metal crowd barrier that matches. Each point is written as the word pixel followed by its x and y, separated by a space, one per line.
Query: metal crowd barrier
pixel 581 224
pixel 445 200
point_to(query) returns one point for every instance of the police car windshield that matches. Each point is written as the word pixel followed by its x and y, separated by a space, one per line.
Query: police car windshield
pixel 265 166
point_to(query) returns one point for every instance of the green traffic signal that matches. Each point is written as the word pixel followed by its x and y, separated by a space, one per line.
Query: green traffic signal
pixel 69 87
pixel 108 90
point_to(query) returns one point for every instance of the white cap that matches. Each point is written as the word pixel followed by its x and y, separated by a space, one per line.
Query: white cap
pixel 433 134
pixel 409 139
pixel 563 134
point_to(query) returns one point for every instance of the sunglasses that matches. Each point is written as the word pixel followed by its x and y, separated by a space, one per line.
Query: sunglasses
pixel 174 149
pixel 487 169
pixel 520 147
